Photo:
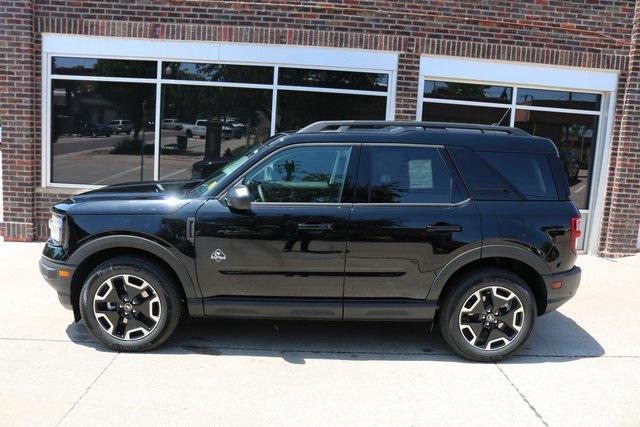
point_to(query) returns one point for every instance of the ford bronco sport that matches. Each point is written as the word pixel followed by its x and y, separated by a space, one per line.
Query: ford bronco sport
pixel 469 226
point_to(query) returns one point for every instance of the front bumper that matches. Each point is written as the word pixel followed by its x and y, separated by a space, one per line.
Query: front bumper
pixel 570 281
pixel 50 270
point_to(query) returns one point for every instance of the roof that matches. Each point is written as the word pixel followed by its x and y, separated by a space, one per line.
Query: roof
pixel 485 137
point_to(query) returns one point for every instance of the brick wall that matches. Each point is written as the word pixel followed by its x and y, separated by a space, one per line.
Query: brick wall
pixel 586 33
pixel 17 108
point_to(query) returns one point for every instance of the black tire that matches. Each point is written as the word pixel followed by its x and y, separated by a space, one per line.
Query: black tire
pixel 168 311
pixel 189 134
pixel 453 321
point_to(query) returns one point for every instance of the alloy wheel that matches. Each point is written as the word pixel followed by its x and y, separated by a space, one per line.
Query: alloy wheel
pixel 491 318
pixel 127 307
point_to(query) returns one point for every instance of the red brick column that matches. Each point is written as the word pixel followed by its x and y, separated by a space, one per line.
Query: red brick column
pixel 17 105
pixel 620 235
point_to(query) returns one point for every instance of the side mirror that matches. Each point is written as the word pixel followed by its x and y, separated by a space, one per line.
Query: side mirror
pixel 238 198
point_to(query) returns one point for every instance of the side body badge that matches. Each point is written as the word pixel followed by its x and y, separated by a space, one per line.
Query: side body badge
pixel 218 255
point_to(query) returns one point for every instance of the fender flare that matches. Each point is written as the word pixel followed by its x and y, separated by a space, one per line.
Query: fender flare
pixel 490 251
pixel 135 242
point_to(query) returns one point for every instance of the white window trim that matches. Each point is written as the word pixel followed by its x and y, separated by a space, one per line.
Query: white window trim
pixel 603 82
pixel 203 52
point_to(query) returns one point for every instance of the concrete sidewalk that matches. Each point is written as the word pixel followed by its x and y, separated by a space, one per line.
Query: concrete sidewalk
pixel 580 366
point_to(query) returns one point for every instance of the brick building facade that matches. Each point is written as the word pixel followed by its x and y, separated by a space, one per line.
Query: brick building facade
pixel 559 38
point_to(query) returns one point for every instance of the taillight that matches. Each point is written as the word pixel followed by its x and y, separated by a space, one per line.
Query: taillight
pixel 575 233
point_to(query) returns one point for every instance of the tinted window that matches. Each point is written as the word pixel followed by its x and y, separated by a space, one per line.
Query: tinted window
pixel 217 72
pixel 103 67
pixel 406 175
pixel 528 172
pixel 301 175
pixel 466 91
pixel 299 109
pixel 558 99
pixel 482 180
pixel 333 79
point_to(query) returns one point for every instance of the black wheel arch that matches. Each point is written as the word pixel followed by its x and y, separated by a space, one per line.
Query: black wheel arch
pixel 523 263
pixel 92 253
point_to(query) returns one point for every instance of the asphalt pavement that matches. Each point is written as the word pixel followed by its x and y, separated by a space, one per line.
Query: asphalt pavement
pixel 580 367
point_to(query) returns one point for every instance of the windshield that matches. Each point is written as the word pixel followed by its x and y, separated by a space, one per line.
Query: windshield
pixel 212 182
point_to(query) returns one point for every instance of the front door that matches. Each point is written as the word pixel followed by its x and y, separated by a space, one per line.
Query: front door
pixel 409 220
pixel 291 243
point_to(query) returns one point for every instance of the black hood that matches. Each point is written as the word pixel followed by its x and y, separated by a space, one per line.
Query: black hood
pixel 153 197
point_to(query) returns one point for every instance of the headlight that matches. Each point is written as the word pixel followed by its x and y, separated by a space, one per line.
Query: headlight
pixel 56 225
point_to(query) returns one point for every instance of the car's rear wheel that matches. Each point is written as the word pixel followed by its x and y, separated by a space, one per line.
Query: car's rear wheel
pixel 487 315
pixel 130 304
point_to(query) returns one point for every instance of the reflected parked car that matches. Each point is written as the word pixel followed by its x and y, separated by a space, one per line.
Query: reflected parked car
pixel 121 126
pixel 95 130
pixel 171 124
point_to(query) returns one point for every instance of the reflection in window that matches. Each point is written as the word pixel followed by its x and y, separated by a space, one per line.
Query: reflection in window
pixel 299 109
pixel 575 137
pixel 103 67
pixel 98 129
pixel 467 91
pixel 301 175
pixel 529 173
pixel 333 79
pixel 245 115
pixel 558 99
pixel 407 175
pixel 217 72
pixel 436 112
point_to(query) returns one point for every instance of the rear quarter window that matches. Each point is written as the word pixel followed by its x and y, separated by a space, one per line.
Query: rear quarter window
pixel 491 175
pixel 529 173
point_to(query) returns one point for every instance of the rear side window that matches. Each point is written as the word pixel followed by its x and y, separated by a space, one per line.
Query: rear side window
pixel 530 173
pixel 405 175
pixel 505 175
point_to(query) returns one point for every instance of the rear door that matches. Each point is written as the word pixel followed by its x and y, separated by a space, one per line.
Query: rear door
pixel 411 217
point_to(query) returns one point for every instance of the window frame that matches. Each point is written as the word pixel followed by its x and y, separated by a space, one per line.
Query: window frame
pixel 442 152
pixel 215 53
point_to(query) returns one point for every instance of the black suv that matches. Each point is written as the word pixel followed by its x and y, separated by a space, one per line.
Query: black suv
pixel 470 226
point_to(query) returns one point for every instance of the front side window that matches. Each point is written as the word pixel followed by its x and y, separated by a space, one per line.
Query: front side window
pixel 406 175
pixel 301 175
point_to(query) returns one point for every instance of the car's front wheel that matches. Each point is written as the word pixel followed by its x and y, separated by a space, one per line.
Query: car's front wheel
pixel 487 315
pixel 130 304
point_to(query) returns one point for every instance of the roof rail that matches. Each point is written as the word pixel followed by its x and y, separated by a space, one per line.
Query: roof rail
pixel 351 125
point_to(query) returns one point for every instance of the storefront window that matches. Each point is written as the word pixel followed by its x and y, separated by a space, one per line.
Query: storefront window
pixel 217 72
pixel 537 111
pixel 333 79
pixel 436 112
pixel 467 92
pixel 558 99
pixel 574 135
pixel 104 115
pixel 245 116
pixel 101 132
pixel 102 67
pixel 299 109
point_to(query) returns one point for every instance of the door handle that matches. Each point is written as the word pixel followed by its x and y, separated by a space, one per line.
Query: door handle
pixel 314 227
pixel 440 227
